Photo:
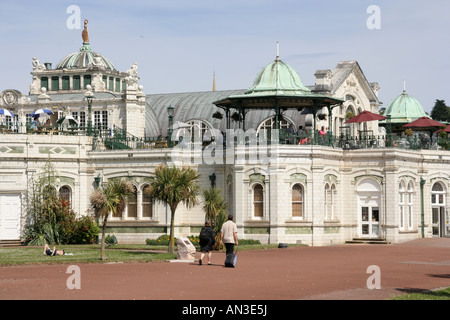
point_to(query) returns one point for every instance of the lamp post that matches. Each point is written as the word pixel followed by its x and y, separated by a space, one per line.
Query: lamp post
pixel 170 112
pixel 89 97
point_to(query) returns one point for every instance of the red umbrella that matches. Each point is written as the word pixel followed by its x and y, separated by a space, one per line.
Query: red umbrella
pixel 447 129
pixel 366 116
pixel 424 122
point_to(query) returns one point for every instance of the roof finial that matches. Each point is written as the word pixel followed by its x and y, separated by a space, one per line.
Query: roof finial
pixel 85 33
pixel 278 51
pixel 214 82
pixel 404 86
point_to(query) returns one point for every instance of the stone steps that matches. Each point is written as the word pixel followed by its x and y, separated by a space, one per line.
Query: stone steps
pixel 10 243
pixel 367 241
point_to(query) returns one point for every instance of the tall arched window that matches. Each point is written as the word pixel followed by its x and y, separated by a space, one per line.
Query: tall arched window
pixel 147 205
pixel 440 226
pixel 197 130
pixel 410 202
pixel 297 201
pixel 65 193
pixel 132 204
pixel 258 201
pixel 330 192
pixel 49 191
pixel 401 204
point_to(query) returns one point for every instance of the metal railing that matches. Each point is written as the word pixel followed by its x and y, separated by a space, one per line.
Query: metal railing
pixel 116 138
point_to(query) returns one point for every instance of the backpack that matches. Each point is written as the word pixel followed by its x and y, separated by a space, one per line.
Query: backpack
pixel 204 236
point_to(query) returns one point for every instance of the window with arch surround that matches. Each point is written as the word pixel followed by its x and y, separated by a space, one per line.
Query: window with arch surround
pixel 406 199
pixel 410 201
pixel 330 195
pixel 401 203
pixel 65 193
pixel 132 204
pixel 270 124
pixel 258 201
pixel 197 130
pixel 297 201
pixel 147 204
pixel 437 196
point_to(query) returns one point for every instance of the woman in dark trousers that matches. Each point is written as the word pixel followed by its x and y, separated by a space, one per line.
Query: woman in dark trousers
pixel 207 240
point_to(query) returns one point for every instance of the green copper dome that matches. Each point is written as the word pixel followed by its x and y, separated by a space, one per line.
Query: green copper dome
pixel 404 109
pixel 278 78
pixel 83 58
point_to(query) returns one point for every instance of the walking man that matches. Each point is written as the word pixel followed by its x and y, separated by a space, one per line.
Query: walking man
pixel 228 234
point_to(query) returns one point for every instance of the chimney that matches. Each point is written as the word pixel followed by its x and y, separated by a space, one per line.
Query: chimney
pixel 323 81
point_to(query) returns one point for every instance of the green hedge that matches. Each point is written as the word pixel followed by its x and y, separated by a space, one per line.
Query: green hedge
pixel 164 241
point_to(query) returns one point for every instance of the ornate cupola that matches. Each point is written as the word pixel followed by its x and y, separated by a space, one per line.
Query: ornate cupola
pixel 77 70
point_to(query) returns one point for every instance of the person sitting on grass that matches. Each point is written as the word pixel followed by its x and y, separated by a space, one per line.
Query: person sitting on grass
pixel 53 252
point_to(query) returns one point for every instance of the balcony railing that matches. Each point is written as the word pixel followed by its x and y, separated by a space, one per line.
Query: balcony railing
pixel 116 138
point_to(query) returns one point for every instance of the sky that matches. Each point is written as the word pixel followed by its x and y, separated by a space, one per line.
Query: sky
pixel 178 44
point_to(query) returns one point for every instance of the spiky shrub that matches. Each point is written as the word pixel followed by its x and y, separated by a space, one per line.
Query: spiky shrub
pixel 112 199
pixel 215 209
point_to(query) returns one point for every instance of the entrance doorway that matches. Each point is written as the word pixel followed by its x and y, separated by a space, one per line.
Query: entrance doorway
pixel 370 221
pixel 369 200
pixel 440 216
pixel 10 213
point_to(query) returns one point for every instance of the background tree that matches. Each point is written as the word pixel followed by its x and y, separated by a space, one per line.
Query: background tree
pixel 111 199
pixel 215 209
pixel 440 111
pixel 172 185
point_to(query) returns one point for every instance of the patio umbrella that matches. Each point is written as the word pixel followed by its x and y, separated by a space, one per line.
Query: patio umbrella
pixel 6 112
pixel 67 119
pixel 447 129
pixel 366 116
pixel 41 111
pixel 424 122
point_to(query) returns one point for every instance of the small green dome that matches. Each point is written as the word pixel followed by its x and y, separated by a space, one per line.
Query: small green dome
pixel 81 59
pixel 404 109
pixel 278 78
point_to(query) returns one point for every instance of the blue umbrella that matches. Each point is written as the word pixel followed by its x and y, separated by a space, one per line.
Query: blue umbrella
pixel 41 111
pixel 6 112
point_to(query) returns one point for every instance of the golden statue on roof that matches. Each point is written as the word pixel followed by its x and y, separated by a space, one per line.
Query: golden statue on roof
pixel 85 33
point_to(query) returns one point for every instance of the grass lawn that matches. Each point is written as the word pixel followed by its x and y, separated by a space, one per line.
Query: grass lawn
pixel 82 254
pixel 91 254
pixel 443 294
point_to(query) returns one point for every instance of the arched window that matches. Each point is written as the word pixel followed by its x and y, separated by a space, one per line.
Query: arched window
pixel 440 226
pixel 197 130
pixel 402 205
pixel 49 191
pixel 65 193
pixel 330 193
pixel 270 124
pixel 258 201
pixel 297 201
pixel 410 203
pixel 437 196
pixel 132 204
pixel 147 204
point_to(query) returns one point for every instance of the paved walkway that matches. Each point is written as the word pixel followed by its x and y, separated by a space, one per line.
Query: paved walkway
pixel 297 273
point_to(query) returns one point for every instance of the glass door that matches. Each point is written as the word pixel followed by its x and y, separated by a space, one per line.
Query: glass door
pixel 440 222
pixel 370 222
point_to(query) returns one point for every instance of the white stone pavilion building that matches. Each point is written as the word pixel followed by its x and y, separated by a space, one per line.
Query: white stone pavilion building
pixel 317 193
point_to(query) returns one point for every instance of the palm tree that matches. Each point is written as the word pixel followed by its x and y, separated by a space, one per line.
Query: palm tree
pixel 215 208
pixel 111 199
pixel 172 185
